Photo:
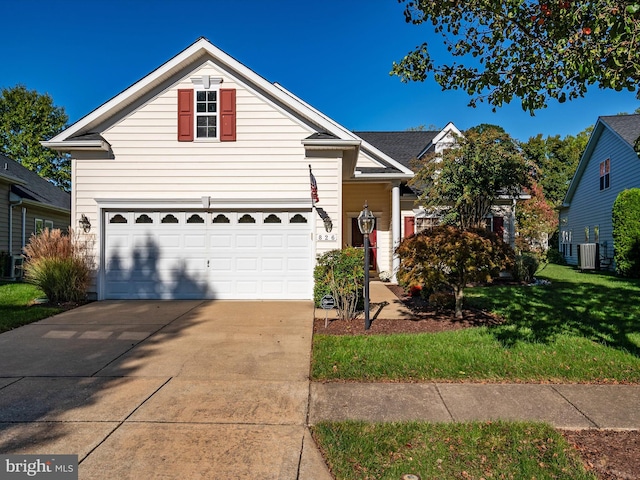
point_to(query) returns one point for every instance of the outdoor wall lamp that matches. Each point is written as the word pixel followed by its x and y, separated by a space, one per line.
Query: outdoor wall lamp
pixel 85 223
pixel 366 223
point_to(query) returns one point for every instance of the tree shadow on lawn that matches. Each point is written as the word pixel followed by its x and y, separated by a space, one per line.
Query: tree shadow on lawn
pixel 609 315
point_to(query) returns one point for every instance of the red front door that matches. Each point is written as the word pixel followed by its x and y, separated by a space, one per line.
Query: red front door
pixel 357 240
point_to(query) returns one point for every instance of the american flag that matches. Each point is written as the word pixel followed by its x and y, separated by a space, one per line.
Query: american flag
pixel 314 187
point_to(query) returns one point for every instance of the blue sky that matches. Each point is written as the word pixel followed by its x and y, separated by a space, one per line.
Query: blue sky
pixel 334 54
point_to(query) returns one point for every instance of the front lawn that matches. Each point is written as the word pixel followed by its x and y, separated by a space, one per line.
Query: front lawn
pixel 16 306
pixel 357 450
pixel 584 327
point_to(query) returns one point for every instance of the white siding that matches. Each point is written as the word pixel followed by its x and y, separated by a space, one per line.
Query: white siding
pixel 591 206
pixel 267 162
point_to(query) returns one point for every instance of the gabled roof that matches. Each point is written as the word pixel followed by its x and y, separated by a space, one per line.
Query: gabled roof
pixel 625 127
pixel 30 186
pixel 85 133
pixel 401 146
pixel 406 146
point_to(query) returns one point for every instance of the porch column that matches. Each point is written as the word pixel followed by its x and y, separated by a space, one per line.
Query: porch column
pixel 395 227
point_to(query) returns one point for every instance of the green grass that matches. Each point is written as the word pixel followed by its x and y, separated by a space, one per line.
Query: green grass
pixel 356 450
pixel 16 307
pixel 584 327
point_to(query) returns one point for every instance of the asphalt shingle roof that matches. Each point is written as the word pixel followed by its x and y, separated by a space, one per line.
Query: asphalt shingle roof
pixel 401 146
pixel 627 126
pixel 32 186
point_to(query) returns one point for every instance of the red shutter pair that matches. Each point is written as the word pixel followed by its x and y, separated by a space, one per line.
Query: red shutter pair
pixel 227 115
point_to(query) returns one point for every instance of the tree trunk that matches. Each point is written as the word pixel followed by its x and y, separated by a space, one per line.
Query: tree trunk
pixel 459 293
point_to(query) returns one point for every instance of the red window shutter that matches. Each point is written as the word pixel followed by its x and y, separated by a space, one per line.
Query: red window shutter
pixel 185 115
pixel 409 226
pixel 227 114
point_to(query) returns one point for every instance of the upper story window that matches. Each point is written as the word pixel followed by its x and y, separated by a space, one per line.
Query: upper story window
pixel 207 113
pixel 605 170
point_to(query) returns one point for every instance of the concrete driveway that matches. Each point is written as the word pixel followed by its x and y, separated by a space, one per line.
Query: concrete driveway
pixel 164 389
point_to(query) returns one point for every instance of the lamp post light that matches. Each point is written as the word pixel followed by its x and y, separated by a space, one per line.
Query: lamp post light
pixel 366 222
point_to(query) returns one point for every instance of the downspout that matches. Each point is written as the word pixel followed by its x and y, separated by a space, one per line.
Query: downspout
pixel 24 229
pixel 14 201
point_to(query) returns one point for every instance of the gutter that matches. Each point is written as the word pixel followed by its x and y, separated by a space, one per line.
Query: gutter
pixel 78 145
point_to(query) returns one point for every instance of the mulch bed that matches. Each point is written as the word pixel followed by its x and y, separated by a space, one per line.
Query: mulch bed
pixel 610 455
pixel 424 319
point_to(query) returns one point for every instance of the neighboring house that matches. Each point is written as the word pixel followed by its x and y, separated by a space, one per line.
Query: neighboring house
pixel 196 183
pixel 28 203
pixel 608 166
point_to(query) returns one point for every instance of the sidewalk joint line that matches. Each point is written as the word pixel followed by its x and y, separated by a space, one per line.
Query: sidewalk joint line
pixel 444 403
pixel 553 387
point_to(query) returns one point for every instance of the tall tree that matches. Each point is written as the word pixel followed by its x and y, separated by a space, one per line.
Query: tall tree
pixel 555 160
pixel 466 180
pixel 26 119
pixel 534 50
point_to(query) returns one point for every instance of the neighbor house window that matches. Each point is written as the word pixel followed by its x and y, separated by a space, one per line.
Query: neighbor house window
pixel 207 113
pixel 605 170
pixel 48 224
pixel 39 225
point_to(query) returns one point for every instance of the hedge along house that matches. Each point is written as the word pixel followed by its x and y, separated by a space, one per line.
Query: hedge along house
pixel 194 182
pixel 609 165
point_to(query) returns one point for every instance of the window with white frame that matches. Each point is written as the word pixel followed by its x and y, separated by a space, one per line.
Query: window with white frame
pixel 206 113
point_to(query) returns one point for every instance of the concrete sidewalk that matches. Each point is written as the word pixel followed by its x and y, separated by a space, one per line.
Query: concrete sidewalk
pixel 571 407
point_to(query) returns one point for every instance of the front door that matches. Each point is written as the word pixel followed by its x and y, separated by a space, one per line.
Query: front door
pixel 357 240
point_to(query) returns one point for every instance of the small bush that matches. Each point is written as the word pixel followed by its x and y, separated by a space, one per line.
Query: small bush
pixel 554 256
pixel 525 267
pixel 340 273
pixel 626 233
pixel 385 276
pixel 60 265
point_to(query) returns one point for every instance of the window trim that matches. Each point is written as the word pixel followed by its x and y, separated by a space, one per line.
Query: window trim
pixel 605 174
pixel 206 83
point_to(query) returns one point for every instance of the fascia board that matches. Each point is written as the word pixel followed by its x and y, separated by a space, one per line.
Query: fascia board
pixel 36 203
pixel 449 128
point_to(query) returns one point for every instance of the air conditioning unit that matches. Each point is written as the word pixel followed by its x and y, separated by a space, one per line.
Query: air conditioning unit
pixel 17 266
pixel 588 258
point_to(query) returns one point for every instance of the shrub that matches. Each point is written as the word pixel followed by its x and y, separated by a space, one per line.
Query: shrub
pixel 385 276
pixel 450 257
pixel 626 233
pixel 60 265
pixel 525 267
pixel 554 256
pixel 340 273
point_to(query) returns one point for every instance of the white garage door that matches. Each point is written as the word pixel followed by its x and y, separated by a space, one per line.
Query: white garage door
pixel 196 254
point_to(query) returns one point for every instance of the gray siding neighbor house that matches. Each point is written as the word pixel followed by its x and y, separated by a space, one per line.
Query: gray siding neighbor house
pixel 28 203
pixel 608 166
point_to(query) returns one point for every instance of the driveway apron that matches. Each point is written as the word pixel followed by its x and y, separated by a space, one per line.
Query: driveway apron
pixel 192 389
